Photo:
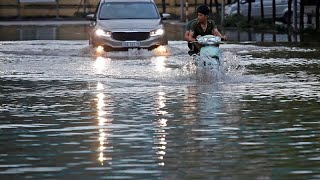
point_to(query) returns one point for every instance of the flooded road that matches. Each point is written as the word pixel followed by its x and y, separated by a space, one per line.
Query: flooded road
pixel 68 113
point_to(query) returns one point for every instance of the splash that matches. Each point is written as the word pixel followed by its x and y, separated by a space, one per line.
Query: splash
pixel 233 69
pixel 229 70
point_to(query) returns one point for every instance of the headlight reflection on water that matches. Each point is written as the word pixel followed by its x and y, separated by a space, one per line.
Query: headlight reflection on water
pixel 161 125
pixel 99 50
pixel 100 86
pixel 101 64
pixel 161 51
pixel 103 123
pixel 160 63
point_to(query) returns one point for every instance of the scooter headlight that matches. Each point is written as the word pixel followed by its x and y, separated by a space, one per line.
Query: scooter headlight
pixel 100 32
pixel 157 32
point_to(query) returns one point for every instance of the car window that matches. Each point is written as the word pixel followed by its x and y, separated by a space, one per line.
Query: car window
pixel 130 10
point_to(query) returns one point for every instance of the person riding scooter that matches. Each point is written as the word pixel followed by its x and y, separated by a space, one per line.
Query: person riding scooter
pixel 186 35
pixel 202 26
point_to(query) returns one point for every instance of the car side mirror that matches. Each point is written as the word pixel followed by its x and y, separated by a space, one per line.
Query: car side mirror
pixel 91 17
pixel 165 16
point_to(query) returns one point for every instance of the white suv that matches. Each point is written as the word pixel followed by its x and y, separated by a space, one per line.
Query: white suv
pixel 281 8
pixel 123 24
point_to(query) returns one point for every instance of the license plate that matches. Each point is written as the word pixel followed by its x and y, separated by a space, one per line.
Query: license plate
pixel 131 44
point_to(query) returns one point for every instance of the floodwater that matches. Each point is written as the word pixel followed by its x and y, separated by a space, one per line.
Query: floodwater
pixel 67 112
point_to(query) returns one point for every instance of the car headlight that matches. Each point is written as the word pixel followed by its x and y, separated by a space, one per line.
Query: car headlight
pixel 100 32
pixel 157 32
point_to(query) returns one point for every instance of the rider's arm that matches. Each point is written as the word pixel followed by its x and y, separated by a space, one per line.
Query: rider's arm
pixel 192 32
pixel 187 30
pixel 217 33
pixel 190 37
pixel 186 35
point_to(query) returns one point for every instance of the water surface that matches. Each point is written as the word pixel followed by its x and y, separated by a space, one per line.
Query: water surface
pixel 69 113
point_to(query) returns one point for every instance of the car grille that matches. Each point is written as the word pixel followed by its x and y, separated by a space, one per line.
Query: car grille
pixel 130 36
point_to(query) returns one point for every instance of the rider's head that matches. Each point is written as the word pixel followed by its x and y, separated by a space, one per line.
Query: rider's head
pixel 202 12
pixel 203 9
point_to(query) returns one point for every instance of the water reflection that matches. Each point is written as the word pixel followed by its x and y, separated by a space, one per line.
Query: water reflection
pixel 146 127
pixel 47 33
pixel 103 123
pixel 160 127
pixel 101 64
pixel 160 63
pixel 42 32
pixel 251 35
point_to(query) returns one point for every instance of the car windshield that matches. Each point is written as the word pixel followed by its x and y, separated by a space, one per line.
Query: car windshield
pixel 128 10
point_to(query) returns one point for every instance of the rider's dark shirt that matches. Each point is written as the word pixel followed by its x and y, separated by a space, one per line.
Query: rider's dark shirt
pixel 197 29
pixel 189 24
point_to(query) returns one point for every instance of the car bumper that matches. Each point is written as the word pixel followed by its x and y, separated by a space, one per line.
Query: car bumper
pixel 148 43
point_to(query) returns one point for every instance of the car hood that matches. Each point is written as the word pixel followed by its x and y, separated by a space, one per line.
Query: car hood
pixel 129 24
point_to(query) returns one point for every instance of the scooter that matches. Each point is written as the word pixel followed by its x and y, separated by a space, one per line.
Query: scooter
pixel 210 55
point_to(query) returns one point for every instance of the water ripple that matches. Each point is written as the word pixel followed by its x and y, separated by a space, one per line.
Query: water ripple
pixel 66 113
